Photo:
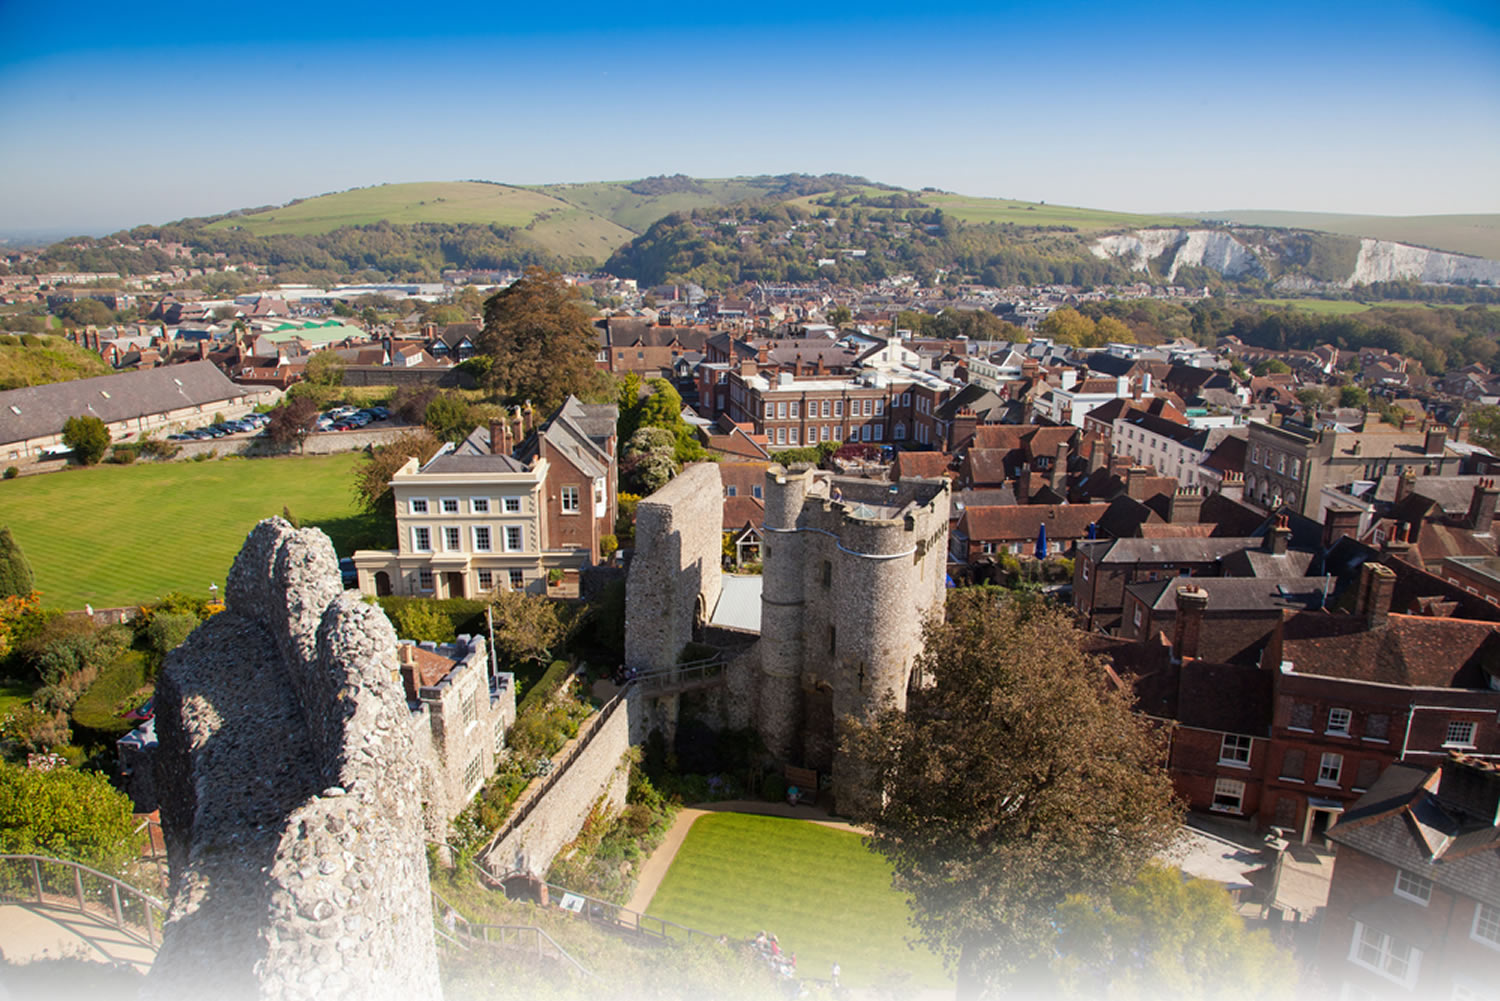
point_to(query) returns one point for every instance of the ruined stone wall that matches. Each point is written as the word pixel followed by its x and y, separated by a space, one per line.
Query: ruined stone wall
pixel 674 574
pixel 290 793
pixel 554 818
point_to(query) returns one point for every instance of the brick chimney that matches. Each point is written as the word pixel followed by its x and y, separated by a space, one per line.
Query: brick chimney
pixel 1023 485
pixel 1135 482
pixel 1482 507
pixel 1186 506
pixel 499 438
pixel 1405 484
pixel 1338 521
pixel 1470 786
pixel 1188 629
pixel 406 654
pixel 1436 440
pixel 1377 585
pixel 1060 469
pixel 1277 538
pixel 1399 541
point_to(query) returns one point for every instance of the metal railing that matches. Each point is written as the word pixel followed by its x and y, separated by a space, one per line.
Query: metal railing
pixel 608 915
pixel 453 927
pixel 680 676
pixel 586 733
pixel 51 882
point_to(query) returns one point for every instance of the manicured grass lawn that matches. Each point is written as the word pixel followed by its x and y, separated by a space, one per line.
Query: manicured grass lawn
pixel 95 709
pixel 820 891
pixel 14 693
pixel 119 535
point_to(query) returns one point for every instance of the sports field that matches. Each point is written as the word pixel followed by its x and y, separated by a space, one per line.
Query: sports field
pixel 120 535
pixel 820 891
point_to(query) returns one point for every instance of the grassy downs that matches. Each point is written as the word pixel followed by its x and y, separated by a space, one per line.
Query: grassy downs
pixel 967 208
pixel 45 359
pixel 1460 234
pixel 446 202
pixel 118 535
pixel 820 891
pixel 1344 307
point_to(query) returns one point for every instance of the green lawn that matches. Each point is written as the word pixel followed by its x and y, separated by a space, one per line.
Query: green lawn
pixel 14 693
pixel 118 535
pixel 820 891
pixel 436 201
pixel 971 209
pixel 1343 307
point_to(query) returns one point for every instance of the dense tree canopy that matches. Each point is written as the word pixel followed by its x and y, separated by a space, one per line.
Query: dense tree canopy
pixel 1166 938
pixel 541 341
pixel 67 814
pixel 1019 778
pixel 372 480
pixel 16 579
pixel 87 437
pixel 293 421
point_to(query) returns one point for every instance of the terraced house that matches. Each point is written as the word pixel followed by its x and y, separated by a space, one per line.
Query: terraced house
pixel 505 508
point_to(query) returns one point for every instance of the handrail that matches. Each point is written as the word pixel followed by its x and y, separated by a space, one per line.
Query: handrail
pixel 115 887
pixel 457 936
pixel 559 768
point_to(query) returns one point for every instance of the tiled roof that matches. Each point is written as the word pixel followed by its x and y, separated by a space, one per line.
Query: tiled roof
pixel 928 465
pixel 1022 521
pixel 1408 650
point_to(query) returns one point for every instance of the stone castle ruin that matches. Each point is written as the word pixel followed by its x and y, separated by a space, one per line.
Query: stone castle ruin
pixel 852 569
pixel 290 790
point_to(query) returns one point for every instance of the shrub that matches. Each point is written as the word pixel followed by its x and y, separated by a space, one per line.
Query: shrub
pixel 122 455
pixel 556 676
pixel 773 789
pixel 608 546
pixel 419 620
pixel 87 437
pixel 168 629
pixel 11 472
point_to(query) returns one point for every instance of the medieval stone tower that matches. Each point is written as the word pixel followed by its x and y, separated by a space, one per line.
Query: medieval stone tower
pixel 853 568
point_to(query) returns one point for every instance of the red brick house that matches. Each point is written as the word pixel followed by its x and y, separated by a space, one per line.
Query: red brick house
pixel 1414 904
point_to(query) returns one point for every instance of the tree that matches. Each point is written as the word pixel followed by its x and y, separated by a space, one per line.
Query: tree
pixel 1353 396
pixel 1164 937
pixel 85 313
pixel 526 625
pixel 1019 778
pixel 16 579
pixel 450 417
pixel 292 422
pixel 541 340
pixel 325 368
pixel 1271 366
pixel 649 460
pixel 372 480
pixel 1312 397
pixel 87 437
pixel 1484 426
pixel 66 814
pixel 840 316
pixel 1068 326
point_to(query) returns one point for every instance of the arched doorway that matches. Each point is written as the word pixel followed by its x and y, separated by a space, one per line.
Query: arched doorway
pixel 382 583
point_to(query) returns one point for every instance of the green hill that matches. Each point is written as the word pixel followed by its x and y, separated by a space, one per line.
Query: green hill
pixel 399 204
pixel 1459 234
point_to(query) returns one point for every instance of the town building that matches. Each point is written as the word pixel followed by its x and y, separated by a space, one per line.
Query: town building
pixel 513 506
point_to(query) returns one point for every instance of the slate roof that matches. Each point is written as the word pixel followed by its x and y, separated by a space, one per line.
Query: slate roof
pixel 1235 594
pixel 37 411
pixel 1174 550
pixel 1404 821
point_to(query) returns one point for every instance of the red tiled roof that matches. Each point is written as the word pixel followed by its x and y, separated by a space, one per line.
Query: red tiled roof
pixel 928 465
pixel 1407 650
pixel 1021 521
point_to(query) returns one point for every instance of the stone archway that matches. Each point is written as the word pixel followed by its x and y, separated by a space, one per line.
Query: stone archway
pixel 382 584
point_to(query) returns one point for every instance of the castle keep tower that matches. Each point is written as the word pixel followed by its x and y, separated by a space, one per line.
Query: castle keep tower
pixel 853 568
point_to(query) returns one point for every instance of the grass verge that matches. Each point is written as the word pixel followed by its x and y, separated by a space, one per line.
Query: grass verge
pixel 97 709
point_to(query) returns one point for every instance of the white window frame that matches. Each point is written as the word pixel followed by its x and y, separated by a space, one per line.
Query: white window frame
pixel 780 409
pixel 1486 927
pixel 1384 948
pixel 1235 750
pixel 569 500
pixel 838 408
pixel 486 544
pixel 1330 762
pixel 1338 722
pixel 791 436
pixel 1229 788
pixel 453 539
pixel 417 505
pixel 770 411
pixel 519 545
pixel 1413 887
pixel 516 579
pixel 417 546
pixel 486 584
pixel 449 505
pixel 512 505
pixel 795 409
pixel 1454 736
pixel 479 505
pixel 825 408
pixel 781 436
pixel 426 580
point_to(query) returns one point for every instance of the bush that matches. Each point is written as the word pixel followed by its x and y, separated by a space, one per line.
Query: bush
pixel 555 677
pixel 121 455
pixel 773 789
pixel 11 472
pixel 87 437
pixel 608 546
pixel 466 615
pixel 167 631
pixel 420 621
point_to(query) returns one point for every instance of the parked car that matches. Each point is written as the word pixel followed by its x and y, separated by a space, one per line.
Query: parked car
pixel 347 574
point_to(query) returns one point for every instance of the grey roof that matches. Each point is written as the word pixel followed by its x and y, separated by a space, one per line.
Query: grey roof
pixel 1401 823
pixel 1259 563
pixel 1235 594
pixel 36 411
pixel 1453 494
pixel 1174 550
pixel 739 603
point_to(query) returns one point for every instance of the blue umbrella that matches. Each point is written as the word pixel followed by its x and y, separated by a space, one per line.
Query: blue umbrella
pixel 1041 541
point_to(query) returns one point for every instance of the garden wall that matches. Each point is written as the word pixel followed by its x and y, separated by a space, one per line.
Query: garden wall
pixel 550 815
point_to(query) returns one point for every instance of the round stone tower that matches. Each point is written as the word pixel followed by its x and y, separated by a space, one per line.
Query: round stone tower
pixel 783 593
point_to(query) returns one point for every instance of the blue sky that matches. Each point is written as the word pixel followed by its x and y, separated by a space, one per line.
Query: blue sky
pixel 112 115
